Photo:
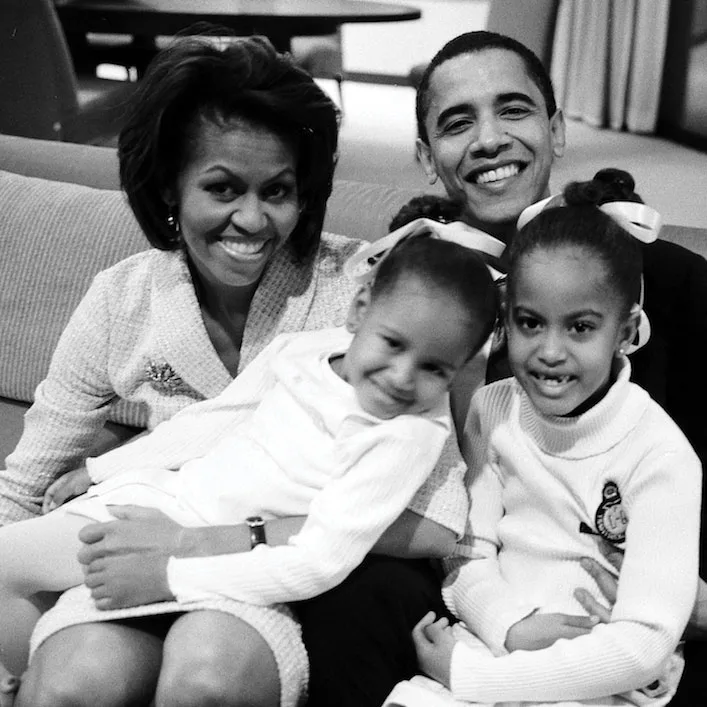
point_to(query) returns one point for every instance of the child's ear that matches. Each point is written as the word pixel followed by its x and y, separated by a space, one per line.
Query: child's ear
pixel 359 306
pixel 629 329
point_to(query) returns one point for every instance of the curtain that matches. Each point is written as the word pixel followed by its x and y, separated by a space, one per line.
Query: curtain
pixel 607 61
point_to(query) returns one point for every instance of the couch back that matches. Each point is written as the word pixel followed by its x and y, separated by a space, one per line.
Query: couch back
pixel 63 219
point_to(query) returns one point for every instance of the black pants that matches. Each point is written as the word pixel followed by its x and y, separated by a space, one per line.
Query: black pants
pixel 358 635
pixel 692 691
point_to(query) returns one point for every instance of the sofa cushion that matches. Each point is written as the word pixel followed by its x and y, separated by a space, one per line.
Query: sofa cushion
pixel 362 210
pixel 54 237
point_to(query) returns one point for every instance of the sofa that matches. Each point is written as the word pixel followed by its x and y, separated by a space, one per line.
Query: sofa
pixel 63 219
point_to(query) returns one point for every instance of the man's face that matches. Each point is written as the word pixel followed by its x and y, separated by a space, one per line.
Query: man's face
pixel 490 139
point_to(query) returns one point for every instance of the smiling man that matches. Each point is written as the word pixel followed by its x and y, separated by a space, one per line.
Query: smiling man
pixel 489 128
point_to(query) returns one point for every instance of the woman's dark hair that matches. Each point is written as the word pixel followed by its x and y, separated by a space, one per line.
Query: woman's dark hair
pixel 450 267
pixel 581 223
pixel 194 80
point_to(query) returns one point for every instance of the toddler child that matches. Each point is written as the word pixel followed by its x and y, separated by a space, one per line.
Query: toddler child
pixel 563 456
pixel 339 425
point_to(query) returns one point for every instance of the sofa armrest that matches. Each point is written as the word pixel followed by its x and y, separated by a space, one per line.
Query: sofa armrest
pixel 89 165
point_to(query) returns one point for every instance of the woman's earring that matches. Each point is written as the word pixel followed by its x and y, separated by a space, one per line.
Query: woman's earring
pixel 172 221
pixel 622 351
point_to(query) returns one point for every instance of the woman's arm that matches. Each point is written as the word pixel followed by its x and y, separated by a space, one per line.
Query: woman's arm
pixel 70 408
pixel 128 557
pixel 346 518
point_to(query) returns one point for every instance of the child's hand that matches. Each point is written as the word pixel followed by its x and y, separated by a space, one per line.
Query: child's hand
pixel 434 644
pixel 539 631
pixel 67 486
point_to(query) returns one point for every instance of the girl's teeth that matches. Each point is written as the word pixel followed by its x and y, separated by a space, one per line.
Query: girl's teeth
pixel 495 175
pixel 554 380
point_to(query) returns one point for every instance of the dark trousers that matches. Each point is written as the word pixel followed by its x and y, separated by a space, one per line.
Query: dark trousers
pixel 358 635
pixel 692 691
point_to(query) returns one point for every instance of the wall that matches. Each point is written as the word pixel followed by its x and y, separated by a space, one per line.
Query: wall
pixel 393 48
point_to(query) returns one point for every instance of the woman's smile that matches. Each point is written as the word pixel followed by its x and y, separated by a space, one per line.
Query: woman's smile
pixel 238 202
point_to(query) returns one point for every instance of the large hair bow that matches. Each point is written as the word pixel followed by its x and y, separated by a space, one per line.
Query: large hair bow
pixel 639 220
pixel 362 266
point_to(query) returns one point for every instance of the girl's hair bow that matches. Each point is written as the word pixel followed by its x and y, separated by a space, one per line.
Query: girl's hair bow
pixel 362 266
pixel 639 220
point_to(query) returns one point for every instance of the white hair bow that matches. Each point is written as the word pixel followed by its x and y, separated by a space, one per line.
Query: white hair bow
pixel 362 266
pixel 639 220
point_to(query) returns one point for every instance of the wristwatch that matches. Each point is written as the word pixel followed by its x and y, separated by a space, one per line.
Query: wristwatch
pixel 257 531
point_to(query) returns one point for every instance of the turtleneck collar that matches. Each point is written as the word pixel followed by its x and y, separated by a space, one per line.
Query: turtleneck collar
pixel 595 431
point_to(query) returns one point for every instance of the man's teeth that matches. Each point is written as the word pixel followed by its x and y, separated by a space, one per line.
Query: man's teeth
pixel 494 175
pixel 243 247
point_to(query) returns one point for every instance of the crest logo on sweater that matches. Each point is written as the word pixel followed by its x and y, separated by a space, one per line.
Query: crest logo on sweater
pixel 611 519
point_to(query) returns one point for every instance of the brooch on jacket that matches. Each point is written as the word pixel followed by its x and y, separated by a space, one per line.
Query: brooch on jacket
pixel 165 380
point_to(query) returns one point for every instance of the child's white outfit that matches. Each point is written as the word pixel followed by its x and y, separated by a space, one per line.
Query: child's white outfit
pixel 287 437
pixel 622 470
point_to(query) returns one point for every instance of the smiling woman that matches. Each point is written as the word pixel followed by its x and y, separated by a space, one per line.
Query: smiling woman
pixel 227 160
pixel 236 203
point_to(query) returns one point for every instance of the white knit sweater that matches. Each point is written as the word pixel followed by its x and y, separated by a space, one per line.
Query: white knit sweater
pixel 287 437
pixel 535 479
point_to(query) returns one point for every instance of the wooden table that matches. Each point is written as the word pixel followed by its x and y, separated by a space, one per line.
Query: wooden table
pixel 280 20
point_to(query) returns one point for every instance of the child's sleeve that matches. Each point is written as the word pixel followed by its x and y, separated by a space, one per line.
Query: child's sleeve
pixel 474 589
pixel 655 596
pixel 381 471
pixel 196 429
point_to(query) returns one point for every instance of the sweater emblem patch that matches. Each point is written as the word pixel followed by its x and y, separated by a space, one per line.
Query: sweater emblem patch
pixel 611 519
pixel 165 380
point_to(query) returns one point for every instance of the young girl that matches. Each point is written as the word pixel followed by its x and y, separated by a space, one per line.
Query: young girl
pixel 566 455
pixel 342 429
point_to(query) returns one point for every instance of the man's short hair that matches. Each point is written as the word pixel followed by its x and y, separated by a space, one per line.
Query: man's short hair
pixel 469 43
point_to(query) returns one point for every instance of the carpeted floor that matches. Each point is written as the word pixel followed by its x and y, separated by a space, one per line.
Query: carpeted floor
pixel 378 135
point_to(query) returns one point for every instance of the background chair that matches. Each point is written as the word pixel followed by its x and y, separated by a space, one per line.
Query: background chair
pixel 40 93
pixel 322 58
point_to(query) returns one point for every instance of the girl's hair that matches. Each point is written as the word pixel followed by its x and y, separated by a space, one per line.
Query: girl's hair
pixel 431 206
pixel 195 80
pixel 450 267
pixel 580 223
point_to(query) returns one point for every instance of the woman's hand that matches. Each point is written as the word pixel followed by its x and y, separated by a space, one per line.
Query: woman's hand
pixel 125 561
pixel 434 644
pixel 538 631
pixel 67 486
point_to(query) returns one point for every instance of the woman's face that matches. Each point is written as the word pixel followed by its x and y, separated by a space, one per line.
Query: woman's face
pixel 237 201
